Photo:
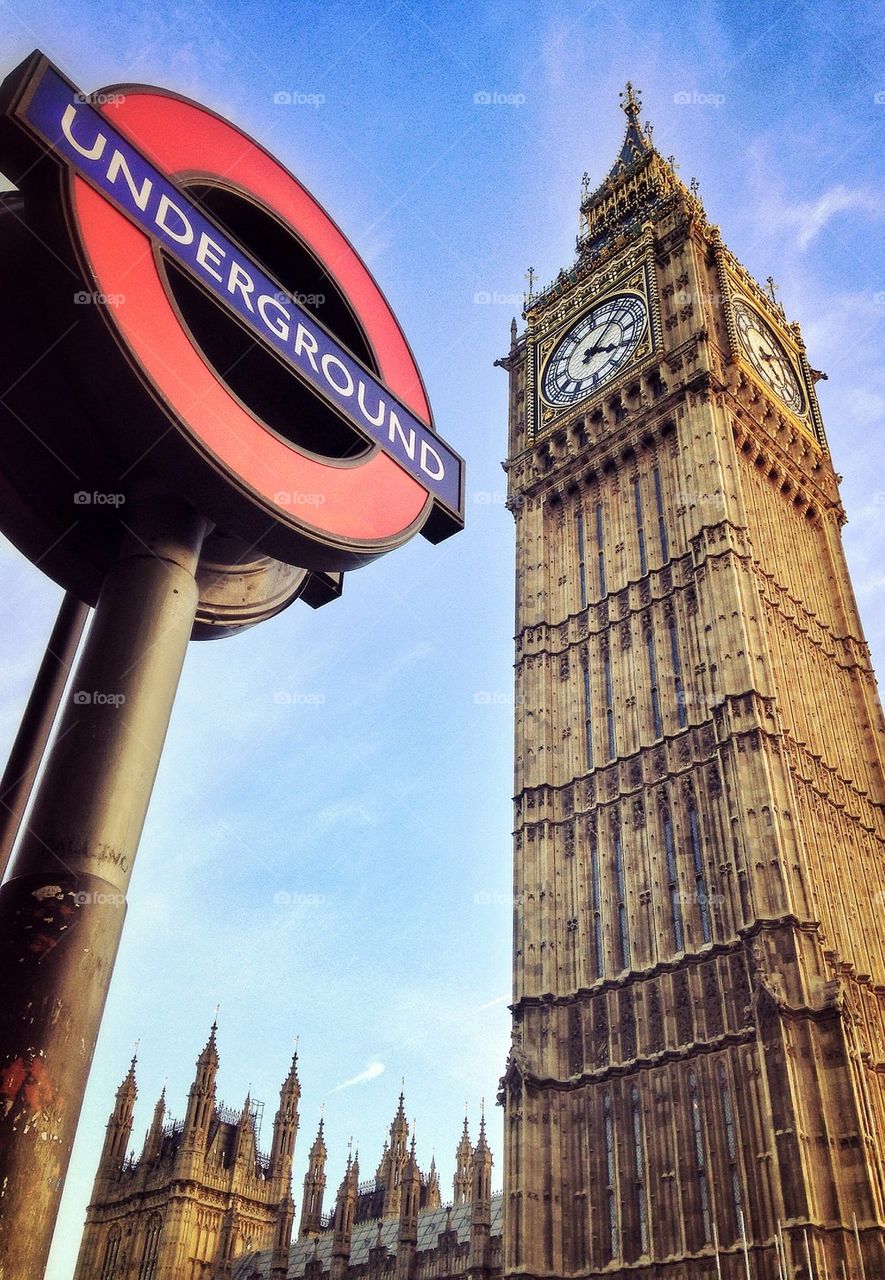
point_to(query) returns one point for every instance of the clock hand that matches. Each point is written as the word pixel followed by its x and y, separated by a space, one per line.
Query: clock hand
pixel 592 351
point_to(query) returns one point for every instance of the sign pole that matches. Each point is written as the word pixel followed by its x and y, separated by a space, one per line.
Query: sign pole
pixel 63 903
pixel 36 723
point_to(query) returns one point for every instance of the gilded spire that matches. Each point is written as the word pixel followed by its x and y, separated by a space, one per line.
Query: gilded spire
pixel 631 102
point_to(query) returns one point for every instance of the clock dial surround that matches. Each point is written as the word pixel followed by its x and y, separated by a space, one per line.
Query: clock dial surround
pixel 768 356
pixel 595 349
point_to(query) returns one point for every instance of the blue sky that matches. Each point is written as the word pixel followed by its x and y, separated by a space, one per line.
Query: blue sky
pixel 337 867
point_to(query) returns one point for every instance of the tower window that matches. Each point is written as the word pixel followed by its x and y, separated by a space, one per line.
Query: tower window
pixel 582 569
pixel 609 703
pixel 730 1142
pixel 673 882
pixel 639 1168
pixel 111 1250
pixel 657 723
pixel 614 1242
pixel 677 672
pixel 600 548
pixel 596 900
pixel 148 1268
pixel 623 934
pixel 588 719
pixel 700 883
pixel 700 1158
pixel 662 524
pixel 640 529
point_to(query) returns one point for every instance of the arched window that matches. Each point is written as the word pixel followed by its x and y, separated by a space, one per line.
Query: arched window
pixel 657 722
pixel 588 718
pixel 700 883
pixel 700 1157
pixel 622 940
pixel 111 1250
pixel 596 904
pixel 677 672
pixel 639 1170
pixel 611 1178
pixel 609 703
pixel 582 567
pixel 600 548
pixel 640 526
pixel 673 881
pixel 731 1143
pixel 662 524
pixel 148 1268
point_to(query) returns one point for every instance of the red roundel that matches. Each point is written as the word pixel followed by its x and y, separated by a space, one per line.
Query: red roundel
pixel 362 506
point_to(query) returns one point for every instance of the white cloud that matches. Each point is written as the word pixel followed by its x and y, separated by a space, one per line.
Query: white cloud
pixel 809 217
pixel 372 1072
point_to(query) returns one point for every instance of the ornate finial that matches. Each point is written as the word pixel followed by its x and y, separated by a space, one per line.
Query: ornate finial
pixel 530 276
pixel 772 288
pixel 671 161
pixel 649 131
pixel 585 184
pixel 694 187
pixel 631 103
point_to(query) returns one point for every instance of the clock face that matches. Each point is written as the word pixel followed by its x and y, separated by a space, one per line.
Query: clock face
pixel 767 356
pixel 595 349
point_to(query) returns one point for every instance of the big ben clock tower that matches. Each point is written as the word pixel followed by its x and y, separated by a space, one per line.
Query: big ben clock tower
pixel 695 1086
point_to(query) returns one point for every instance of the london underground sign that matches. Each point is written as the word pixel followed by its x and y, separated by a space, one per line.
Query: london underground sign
pixel 189 444
pixel 130 166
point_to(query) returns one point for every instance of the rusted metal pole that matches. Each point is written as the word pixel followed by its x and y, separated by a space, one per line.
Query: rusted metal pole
pixel 63 903
pixel 36 723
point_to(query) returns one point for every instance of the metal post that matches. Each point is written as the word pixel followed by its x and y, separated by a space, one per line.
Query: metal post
pixel 778 1253
pixel 807 1254
pixel 744 1242
pixel 863 1270
pixel 783 1246
pixel 716 1248
pixel 63 903
pixel 37 721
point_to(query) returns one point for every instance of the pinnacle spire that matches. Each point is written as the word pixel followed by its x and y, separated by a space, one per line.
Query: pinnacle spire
pixel 631 102
pixel 210 1052
pixel 637 142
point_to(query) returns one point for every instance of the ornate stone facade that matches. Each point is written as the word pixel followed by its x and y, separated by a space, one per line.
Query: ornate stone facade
pixel 695 1087
pixel 201 1202
pixel 199 1195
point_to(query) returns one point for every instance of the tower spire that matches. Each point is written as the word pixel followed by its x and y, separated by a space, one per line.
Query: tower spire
pixel 631 102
